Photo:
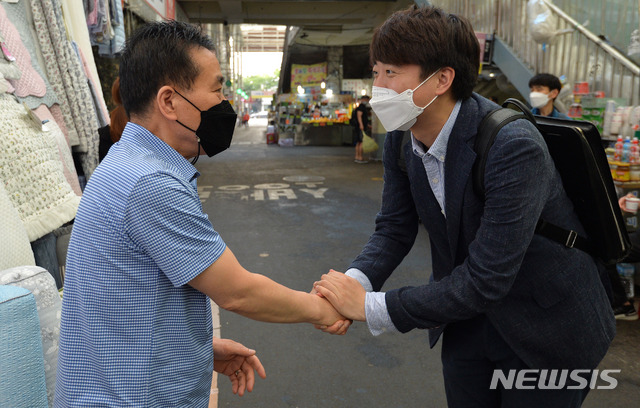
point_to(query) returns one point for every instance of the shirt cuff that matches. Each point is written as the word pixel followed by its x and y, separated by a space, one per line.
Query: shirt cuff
pixel 358 275
pixel 377 315
pixel 375 306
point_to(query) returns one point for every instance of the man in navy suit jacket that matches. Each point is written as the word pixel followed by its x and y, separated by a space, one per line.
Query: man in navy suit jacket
pixel 504 298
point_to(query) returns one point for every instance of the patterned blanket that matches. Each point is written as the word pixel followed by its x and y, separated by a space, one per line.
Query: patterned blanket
pixel 32 172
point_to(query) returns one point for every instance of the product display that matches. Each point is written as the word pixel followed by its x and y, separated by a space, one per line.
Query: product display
pixel 300 120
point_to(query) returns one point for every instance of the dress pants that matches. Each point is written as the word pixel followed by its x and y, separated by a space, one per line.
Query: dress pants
pixel 471 351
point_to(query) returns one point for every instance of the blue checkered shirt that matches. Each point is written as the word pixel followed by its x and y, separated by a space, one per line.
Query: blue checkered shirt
pixel 133 333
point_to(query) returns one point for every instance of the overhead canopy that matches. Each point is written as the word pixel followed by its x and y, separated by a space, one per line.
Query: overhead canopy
pixel 323 23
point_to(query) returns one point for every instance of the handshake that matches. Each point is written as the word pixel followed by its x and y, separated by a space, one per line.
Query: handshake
pixel 346 298
pixel 336 300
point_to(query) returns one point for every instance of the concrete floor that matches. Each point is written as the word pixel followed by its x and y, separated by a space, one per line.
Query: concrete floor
pixel 292 213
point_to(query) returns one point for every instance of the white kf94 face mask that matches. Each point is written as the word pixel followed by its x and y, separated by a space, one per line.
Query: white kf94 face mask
pixel 397 111
pixel 538 99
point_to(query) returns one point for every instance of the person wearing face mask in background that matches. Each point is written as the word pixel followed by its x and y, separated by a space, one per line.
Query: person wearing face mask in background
pixel 544 91
pixel 502 297
pixel 361 124
pixel 144 259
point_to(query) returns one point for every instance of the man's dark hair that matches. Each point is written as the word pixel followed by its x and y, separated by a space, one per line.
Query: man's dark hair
pixel 155 55
pixel 550 81
pixel 433 39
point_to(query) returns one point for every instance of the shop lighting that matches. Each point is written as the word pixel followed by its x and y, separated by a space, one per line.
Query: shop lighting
pixel 323 85
pixel 300 90
pixel 363 92
pixel 329 92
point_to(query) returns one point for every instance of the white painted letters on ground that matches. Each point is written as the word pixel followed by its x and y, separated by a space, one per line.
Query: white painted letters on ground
pixel 264 191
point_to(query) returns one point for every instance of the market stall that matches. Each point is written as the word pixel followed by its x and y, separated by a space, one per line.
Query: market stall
pixel 314 119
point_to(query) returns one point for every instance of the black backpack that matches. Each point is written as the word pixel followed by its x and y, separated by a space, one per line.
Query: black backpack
pixel 578 154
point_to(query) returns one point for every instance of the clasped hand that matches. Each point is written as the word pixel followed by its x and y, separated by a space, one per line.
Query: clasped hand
pixel 345 294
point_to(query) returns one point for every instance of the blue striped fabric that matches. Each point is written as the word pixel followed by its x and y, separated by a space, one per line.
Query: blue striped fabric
pixel 132 332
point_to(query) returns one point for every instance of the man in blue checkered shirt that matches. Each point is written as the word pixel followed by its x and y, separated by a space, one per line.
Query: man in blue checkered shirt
pixel 143 259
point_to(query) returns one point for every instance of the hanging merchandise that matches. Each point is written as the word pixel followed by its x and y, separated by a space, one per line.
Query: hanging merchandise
pixel 31 87
pixel 543 23
pixel 66 75
pixel 105 22
pixel 8 66
pixel 25 80
pixel 14 26
pixel 16 250
pixel 102 114
pixel 78 33
pixel 5 87
pixel 31 171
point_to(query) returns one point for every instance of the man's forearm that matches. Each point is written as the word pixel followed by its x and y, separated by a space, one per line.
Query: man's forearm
pixel 268 301
pixel 256 296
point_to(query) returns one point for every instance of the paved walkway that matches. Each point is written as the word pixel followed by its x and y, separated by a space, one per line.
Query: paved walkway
pixel 294 212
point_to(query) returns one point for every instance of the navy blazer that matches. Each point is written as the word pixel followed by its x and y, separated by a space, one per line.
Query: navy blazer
pixel 546 300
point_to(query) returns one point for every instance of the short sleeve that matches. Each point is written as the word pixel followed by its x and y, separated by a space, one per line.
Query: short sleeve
pixel 164 219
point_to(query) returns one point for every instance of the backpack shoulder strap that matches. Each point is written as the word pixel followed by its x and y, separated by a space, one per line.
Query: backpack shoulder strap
pixel 489 127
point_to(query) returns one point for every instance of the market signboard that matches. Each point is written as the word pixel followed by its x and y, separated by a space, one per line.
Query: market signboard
pixel 308 75
pixel 262 94
pixel 355 86
pixel 154 10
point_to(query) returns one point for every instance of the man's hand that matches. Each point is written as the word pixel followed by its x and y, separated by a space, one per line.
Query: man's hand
pixel 623 203
pixel 238 363
pixel 340 327
pixel 345 294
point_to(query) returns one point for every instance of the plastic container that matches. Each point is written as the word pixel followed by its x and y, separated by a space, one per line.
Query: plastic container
pixel 626 272
pixel 634 152
pixel 626 149
pixel 617 155
pixel 616 122
pixel 623 172
pixel 614 170
pixel 610 109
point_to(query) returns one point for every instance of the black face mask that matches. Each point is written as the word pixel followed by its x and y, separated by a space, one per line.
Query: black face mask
pixel 216 128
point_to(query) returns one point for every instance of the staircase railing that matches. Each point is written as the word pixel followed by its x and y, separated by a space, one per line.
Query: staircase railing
pixel 580 55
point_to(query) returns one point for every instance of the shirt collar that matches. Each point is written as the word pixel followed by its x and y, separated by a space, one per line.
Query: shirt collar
pixel 554 113
pixel 439 147
pixel 136 134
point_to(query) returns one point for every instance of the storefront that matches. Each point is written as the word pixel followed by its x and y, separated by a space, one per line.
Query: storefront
pixel 316 114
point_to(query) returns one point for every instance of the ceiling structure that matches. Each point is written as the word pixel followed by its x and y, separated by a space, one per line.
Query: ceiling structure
pixel 313 22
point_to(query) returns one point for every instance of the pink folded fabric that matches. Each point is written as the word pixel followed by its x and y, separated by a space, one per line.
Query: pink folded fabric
pixel 30 82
